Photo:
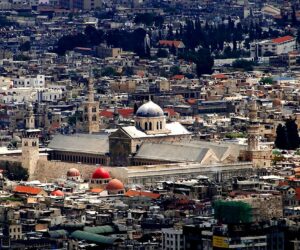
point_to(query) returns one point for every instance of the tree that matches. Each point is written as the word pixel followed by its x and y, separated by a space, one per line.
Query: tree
pixel 267 80
pixel 14 171
pixel 25 46
pixel 243 64
pixel 281 137
pixel 95 36
pixel 162 53
pixel 108 71
pixel 135 108
pixel 287 136
pixel 292 134
pixel 204 62
pixel 128 71
pixel 175 70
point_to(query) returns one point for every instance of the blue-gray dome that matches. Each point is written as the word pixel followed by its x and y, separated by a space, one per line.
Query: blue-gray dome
pixel 149 109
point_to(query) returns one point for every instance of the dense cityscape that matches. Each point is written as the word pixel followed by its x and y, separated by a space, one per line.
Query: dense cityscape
pixel 147 125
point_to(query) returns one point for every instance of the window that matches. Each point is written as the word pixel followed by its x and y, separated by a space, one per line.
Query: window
pixel 146 125
pixel 160 125
pixel 150 125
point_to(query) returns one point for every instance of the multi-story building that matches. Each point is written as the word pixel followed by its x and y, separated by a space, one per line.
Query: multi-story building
pixel 172 239
pixel 33 82
pixel 277 46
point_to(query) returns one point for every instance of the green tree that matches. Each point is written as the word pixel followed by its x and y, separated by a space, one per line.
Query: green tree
pixel 162 53
pixel 204 62
pixel 175 70
pixel 243 64
pixel 281 137
pixel 135 108
pixel 14 171
pixel 267 80
pixel 109 71
pixel 25 46
pixel 292 134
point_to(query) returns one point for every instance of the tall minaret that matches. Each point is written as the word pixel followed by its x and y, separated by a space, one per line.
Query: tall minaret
pixel 29 118
pixel 91 110
pixel 253 128
pixel 30 143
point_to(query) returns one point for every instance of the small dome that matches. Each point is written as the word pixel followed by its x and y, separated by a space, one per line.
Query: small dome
pixel 57 193
pixel 72 172
pixel 149 109
pixel 100 173
pixel 114 184
pixel 277 102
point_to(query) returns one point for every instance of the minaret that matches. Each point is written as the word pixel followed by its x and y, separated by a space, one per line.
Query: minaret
pixel 30 143
pixel 253 128
pixel 29 118
pixel 91 110
pixel 116 117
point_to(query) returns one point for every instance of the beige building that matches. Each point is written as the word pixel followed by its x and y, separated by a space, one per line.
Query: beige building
pixel 123 86
pixel 102 51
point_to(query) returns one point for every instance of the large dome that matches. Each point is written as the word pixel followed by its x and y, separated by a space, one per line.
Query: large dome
pixel 114 184
pixel 149 109
pixel 72 172
pixel 100 173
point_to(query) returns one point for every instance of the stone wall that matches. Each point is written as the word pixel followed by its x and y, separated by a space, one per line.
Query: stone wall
pixel 51 170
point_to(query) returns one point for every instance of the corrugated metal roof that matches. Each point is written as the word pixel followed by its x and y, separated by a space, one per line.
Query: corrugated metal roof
pixel 94 238
pixel 100 229
pixel 94 144
pixel 171 152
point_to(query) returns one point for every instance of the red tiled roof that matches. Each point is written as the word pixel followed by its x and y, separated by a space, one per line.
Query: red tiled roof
pixel 142 193
pixel 282 39
pixel 297 193
pixel 96 190
pixel 27 190
pixel 128 112
pixel 170 111
pixel 106 113
pixel 220 76
pixel 169 43
pixel 191 101
pixel 178 77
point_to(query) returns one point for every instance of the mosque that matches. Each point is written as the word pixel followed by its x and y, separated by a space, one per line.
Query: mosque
pixel 151 141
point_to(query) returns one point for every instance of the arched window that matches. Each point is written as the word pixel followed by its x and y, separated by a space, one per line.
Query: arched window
pixel 160 125
pixel 146 125
pixel 157 125
pixel 150 125
pixel 26 143
pixel 94 109
pixel 94 118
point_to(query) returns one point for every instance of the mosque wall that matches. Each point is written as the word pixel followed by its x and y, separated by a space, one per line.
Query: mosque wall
pixel 50 170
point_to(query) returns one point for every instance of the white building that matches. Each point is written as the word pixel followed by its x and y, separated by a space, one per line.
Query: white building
pixel 277 46
pixel 173 239
pixel 30 82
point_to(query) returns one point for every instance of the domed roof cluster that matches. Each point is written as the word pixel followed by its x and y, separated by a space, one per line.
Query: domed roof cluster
pixel 72 172
pixel 149 109
pixel 114 184
pixel 100 173
pixel 57 193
